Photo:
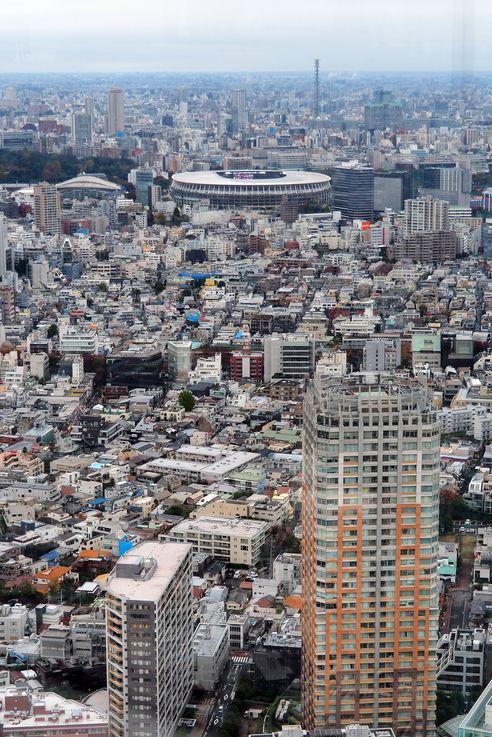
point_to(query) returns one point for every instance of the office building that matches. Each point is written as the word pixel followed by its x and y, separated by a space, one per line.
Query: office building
pixel 47 208
pixel 144 179
pixel 353 191
pixel 369 562
pixel 478 721
pixel 115 121
pixel 392 188
pixel 380 117
pixel 82 129
pixel 426 213
pixel 135 365
pixel 238 111
pixel 179 359
pixel 289 355
pixel 461 660
pixel 446 181
pixel 237 163
pixel 149 614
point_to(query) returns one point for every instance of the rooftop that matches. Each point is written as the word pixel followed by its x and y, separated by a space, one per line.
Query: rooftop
pixel 163 559
pixel 250 178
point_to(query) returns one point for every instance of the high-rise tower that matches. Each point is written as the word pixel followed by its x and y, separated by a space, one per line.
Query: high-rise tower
pixel 370 526
pixel 82 128
pixel 238 111
pixel 115 115
pixel 4 244
pixel 47 208
pixel 316 89
pixel 149 615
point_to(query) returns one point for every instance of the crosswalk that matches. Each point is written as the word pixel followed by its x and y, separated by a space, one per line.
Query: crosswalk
pixel 241 659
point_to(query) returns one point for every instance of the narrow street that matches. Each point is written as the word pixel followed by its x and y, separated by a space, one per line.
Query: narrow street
pixel 458 598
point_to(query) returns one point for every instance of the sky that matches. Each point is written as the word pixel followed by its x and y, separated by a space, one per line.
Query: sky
pixel 244 35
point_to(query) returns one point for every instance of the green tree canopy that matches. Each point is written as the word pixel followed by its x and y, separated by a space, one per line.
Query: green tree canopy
pixel 187 400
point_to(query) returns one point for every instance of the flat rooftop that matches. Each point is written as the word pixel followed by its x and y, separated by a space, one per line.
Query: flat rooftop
pixel 221 526
pixel 167 558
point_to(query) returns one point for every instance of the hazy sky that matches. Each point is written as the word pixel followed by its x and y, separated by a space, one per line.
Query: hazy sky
pixel 243 35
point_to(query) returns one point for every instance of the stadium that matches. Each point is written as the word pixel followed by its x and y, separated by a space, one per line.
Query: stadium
pixel 262 190
pixel 88 185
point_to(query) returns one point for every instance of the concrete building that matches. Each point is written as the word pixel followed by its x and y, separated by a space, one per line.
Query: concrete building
pixel 236 541
pixel 426 213
pixel 75 339
pixel 288 355
pixel 429 247
pixel 381 354
pixel 24 713
pixel 115 121
pixel 426 348
pixel 82 129
pixel 179 359
pixel 210 654
pixel 13 620
pixel 47 208
pixel 369 565
pixel 149 640
pixel 246 364
pixel 461 660
pixel 238 111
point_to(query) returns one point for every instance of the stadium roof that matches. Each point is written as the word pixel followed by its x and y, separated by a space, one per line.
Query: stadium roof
pixel 88 181
pixel 250 177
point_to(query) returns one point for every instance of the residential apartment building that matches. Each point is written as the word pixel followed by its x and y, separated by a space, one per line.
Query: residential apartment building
pixel 369 565
pixel 426 213
pixel 233 540
pixel 149 640
pixel 47 208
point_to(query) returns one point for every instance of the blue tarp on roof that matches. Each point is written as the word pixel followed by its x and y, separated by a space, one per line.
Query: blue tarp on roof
pixel 97 502
pixel 51 556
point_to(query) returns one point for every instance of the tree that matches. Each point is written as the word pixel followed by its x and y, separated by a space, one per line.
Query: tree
pixel 159 286
pixel 186 400
pixel 52 331
pixel 452 507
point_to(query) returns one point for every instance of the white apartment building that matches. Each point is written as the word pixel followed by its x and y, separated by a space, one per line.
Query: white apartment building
pixel 77 339
pixel 13 620
pixel 149 610
pixel 426 213
pixel 236 541
pixel 210 654
pixel 207 369
pixel 179 359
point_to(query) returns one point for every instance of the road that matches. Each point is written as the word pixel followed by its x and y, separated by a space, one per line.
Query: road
pixel 459 598
pixel 226 692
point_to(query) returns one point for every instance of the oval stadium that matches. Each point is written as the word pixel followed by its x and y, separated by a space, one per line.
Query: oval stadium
pixel 262 190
